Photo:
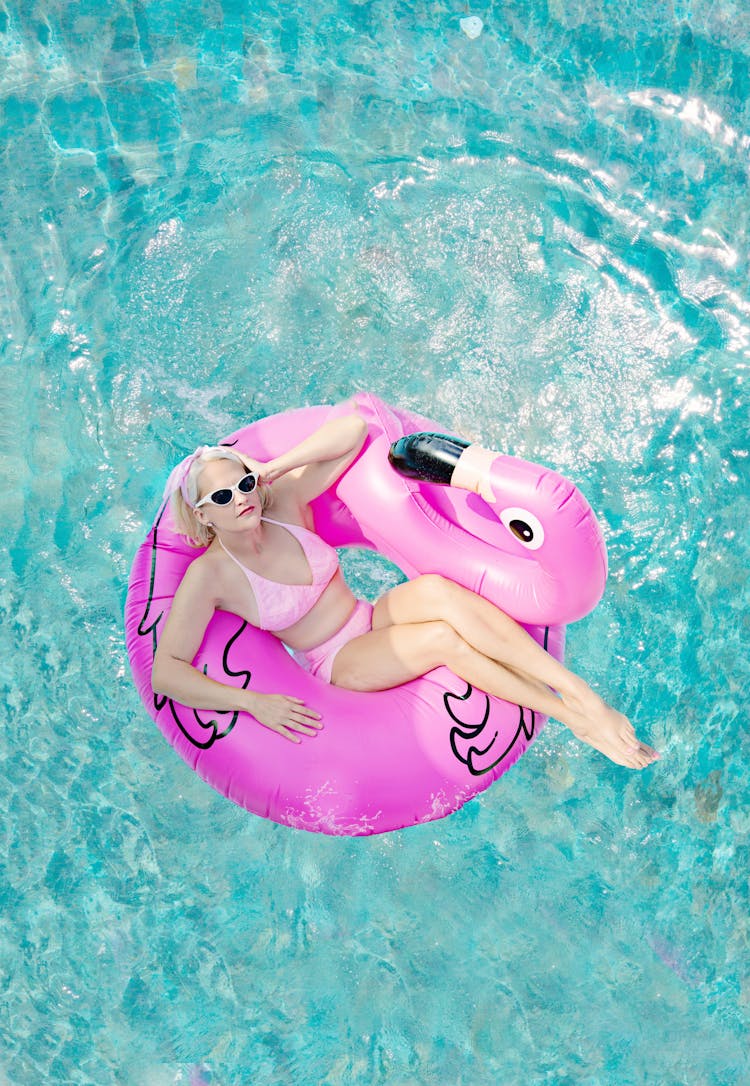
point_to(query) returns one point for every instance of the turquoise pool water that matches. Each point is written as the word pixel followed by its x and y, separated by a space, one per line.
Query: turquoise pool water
pixel 215 210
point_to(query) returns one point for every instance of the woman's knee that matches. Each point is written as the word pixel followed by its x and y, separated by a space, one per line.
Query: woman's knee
pixel 424 599
pixel 433 592
pixel 441 642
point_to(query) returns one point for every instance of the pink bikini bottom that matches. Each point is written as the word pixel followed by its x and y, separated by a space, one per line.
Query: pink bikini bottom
pixel 319 660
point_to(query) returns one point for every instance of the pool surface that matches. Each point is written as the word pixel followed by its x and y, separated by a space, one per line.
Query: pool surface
pixel 213 210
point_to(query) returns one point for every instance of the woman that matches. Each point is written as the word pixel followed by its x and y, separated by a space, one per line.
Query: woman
pixel 276 573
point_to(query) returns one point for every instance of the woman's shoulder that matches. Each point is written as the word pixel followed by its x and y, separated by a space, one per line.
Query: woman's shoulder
pixel 203 571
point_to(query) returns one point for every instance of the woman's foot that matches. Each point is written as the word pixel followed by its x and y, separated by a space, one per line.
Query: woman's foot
pixel 594 722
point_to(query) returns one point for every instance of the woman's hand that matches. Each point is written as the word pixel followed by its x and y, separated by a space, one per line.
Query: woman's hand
pixel 319 460
pixel 266 472
pixel 285 715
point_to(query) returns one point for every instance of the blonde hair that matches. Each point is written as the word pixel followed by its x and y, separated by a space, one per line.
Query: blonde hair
pixel 185 520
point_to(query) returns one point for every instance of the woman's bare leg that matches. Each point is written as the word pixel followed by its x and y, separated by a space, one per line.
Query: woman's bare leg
pixel 488 629
pixel 394 654
pixel 495 635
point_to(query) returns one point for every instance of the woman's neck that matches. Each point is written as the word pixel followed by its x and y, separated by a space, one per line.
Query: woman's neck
pixel 251 542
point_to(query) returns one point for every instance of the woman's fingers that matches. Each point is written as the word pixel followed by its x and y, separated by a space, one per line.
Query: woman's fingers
pixel 250 462
pixel 311 719
pixel 307 727
pixel 287 735
pixel 291 718
pixel 289 731
pixel 300 711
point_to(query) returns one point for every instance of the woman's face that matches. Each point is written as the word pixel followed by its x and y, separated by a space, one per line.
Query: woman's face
pixel 242 511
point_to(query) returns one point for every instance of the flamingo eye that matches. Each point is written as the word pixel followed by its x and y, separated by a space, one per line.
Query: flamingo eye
pixel 524 526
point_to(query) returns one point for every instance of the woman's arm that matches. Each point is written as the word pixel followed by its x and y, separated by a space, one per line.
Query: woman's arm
pixel 173 674
pixel 321 458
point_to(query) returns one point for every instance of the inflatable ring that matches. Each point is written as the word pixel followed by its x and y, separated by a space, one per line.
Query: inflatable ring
pixel 520 535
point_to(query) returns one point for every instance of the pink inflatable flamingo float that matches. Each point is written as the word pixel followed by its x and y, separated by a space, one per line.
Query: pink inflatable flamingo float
pixel 514 532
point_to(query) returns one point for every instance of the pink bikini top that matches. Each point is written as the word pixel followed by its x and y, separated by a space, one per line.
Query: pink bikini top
pixel 281 605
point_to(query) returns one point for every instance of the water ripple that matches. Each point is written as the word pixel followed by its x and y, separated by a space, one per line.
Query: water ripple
pixel 536 236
